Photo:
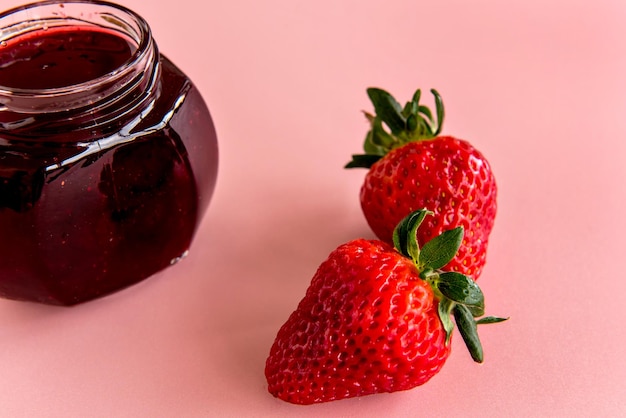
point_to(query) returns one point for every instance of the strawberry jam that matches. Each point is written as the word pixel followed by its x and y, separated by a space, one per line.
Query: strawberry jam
pixel 61 57
pixel 108 154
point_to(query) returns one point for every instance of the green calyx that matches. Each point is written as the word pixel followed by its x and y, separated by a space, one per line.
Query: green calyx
pixel 459 296
pixel 393 126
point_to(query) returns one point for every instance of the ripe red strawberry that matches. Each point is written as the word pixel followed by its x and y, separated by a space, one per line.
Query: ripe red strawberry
pixel 375 319
pixel 412 167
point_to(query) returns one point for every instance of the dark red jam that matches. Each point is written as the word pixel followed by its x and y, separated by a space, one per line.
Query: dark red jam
pixel 61 57
pixel 90 206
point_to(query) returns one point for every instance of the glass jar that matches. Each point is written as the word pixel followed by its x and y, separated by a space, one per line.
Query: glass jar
pixel 108 154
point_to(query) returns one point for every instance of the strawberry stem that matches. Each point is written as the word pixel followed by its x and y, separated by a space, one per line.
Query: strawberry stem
pixel 413 122
pixel 458 294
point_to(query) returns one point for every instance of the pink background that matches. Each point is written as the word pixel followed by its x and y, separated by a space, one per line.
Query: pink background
pixel 539 86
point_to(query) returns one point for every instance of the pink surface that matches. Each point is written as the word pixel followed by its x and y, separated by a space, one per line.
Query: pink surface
pixel 538 86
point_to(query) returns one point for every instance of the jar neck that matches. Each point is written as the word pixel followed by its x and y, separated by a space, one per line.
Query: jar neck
pixel 94 104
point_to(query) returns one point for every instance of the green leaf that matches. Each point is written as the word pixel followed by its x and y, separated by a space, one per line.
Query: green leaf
pixel 440 250
pixel 476 310
pixel 490 320
pixel 411 123
pixel 362 161
pixel 410 108
pixel 370 118
pixel 425 130
pixel 463 290
pixel 416 97
pixel 405 233
pixel 444 309
pixel 440 111
pixel 467 327
pixel 381 137
pixel 387 109
pixel 371 147
pixel 425 110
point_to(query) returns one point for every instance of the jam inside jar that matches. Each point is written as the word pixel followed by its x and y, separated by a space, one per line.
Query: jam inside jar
pixel 108 153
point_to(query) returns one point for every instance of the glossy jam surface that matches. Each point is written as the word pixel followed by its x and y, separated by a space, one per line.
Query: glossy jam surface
pixel 117 203
pixel 61 57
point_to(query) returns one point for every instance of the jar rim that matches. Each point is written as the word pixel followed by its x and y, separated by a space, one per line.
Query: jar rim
pixel 137 29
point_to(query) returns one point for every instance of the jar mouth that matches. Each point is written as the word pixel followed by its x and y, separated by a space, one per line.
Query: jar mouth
pixel 50 14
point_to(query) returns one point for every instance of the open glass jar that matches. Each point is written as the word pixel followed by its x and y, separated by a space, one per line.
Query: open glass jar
pixel 108 154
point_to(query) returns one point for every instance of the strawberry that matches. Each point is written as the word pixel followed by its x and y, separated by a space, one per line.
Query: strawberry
pixel 411 167
pixel 376 319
